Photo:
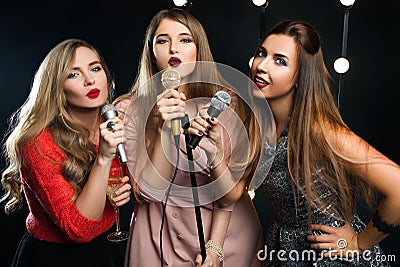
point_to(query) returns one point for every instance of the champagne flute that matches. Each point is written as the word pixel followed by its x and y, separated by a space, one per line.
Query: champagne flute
pixel 114 183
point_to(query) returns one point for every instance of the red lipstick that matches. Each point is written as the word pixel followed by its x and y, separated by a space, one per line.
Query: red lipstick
pixel 174 61
pixel 260 82
pixel 94 93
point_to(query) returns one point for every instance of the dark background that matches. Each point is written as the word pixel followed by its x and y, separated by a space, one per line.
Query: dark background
pixel 369 99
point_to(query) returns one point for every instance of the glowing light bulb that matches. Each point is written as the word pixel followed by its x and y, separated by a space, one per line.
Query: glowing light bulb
pixel 180 2
pixel 341 65
pixel 347 3
pixel 259 2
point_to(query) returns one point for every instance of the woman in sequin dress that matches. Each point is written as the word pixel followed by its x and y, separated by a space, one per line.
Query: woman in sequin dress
pixel 319 164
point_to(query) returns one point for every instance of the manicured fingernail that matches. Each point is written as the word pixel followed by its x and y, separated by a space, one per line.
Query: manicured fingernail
pixel 200 133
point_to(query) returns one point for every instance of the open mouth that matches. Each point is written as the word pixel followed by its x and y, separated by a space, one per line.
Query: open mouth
pixel 260 83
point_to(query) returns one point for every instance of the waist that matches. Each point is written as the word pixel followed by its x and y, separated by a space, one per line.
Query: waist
pixel 44 230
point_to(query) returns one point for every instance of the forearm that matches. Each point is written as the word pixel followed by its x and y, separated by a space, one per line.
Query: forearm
pixel 219 226
pixel 375 232
pixel 157 173
pixel 92 199
pixel 229 184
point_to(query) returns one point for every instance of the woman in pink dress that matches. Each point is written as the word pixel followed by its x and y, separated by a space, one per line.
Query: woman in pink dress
pixel 167 235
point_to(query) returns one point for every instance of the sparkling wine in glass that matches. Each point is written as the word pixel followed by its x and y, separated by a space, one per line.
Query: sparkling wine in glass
pixel 114 183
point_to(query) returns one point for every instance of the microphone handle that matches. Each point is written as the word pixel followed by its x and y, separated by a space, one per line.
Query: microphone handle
pixel 109 112
pixel 121 153
pixel 176 127
pixel 195 140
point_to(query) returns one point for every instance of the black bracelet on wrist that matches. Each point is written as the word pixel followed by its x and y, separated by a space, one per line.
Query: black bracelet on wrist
pixel 383 226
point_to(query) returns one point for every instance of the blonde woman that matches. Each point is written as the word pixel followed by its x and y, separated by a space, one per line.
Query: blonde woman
pixel 59 154
pixel 176 40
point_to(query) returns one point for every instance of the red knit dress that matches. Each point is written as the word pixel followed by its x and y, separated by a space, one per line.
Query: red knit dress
pixel 58 234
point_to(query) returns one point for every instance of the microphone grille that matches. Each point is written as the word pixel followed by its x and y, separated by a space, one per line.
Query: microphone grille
pixel 108 111
pixel 170 79
pixel 221 100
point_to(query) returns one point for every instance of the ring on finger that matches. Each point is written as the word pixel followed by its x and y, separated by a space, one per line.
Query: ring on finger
pixel 111 126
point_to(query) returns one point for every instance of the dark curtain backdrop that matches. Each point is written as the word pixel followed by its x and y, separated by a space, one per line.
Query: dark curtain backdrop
pixel 369 100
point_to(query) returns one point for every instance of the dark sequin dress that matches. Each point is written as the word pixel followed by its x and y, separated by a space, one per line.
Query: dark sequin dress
pixel 286 243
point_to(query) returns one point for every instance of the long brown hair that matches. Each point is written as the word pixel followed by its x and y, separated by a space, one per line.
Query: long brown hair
pixel 313 116
pixel 46 107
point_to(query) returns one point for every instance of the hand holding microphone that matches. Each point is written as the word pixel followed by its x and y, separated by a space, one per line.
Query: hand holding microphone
pixel 200 127
pixel 108 112
pixel 171 104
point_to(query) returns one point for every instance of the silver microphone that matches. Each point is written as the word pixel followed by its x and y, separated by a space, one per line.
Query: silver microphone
pixel 220 101
pixel 108 111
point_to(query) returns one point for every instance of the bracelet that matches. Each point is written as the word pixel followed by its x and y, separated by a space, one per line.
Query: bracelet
pixel 383 226
pixel 216 165
pixel 216 248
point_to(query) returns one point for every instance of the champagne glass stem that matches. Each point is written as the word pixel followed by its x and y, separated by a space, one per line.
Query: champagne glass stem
pixel 117 222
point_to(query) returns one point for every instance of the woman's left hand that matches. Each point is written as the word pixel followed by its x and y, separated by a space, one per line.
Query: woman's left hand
pixel 123 194
pixel 211 131
pixel 335 241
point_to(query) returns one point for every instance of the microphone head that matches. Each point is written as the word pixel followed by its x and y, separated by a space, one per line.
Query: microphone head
pixel 170 79
pixel 108 111
pixel 221 100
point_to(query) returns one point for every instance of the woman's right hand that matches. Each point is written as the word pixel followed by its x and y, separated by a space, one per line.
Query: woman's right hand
pixel 210 261
pixel 171 105
pixel 110 138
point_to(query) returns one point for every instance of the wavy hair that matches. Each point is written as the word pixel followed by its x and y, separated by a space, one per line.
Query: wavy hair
pixel 46 107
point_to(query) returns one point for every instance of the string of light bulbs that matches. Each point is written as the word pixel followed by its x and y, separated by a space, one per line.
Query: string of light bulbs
pixel 342 64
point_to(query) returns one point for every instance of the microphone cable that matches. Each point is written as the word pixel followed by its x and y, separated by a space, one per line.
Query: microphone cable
pixel 185 123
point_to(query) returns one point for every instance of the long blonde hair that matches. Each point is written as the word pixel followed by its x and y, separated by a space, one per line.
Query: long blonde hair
pixel 145 89
pixel 314 115
pixel 46 107
pixel 147 66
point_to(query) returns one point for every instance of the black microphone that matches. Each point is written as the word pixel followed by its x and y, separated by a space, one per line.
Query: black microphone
pixel 220 101
pixel 108 111
pixel 171 79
